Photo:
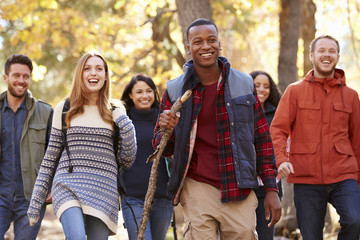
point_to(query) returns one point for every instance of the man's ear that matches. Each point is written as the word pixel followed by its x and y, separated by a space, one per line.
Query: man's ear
pixel 5 77
pixel 188 49
pixel 311 56
pixel 338 58
pixel 220 46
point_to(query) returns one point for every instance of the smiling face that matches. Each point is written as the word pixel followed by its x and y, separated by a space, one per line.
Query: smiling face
pixel 142 95
pixel 325 57
pixel 262 84
pixel 94 74
pixel 204 46
pixel 18 80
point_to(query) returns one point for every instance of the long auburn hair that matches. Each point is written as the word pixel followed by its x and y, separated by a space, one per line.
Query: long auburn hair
pixel 79 93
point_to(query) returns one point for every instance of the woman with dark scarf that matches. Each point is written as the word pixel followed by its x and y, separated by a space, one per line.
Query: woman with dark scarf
pixel 142 104
pixel 269 96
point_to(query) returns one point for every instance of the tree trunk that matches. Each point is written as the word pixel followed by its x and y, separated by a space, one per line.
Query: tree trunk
pixel 307 30
pixel 190 10
pixel 290 18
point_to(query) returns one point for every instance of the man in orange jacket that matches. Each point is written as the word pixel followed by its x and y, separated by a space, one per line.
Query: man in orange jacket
pixel 322 117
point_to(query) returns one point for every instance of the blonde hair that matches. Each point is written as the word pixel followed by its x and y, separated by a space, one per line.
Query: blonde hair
pixel 79 93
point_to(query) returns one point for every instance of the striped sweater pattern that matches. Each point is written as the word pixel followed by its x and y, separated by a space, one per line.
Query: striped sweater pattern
pixel 92 185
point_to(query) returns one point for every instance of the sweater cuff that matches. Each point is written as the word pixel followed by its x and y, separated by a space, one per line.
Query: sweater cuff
pixel 33 218
pixel 117 113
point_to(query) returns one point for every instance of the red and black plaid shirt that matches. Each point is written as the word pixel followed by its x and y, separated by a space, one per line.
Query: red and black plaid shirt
pixel 264 151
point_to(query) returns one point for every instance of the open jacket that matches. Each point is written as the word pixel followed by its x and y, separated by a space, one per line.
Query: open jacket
pixel 34 139
pixel 247 141
pixel 322 118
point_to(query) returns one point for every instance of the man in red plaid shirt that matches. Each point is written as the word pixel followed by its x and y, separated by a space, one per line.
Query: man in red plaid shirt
pixel 221 143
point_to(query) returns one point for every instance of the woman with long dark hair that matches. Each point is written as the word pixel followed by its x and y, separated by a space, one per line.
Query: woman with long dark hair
pixel 269 97
pixel 141 98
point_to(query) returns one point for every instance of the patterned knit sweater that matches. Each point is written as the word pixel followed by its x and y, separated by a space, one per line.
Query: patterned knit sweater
pixel 92 185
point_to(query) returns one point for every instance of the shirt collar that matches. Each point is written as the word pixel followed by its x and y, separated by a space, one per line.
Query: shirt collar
pixel 221 80
pixel 6 105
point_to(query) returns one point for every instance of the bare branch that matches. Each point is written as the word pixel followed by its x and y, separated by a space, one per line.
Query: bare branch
pixel 353 42
pixel 159 15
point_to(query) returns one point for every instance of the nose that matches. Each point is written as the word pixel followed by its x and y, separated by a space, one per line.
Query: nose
pixel 93 71
pixel 21 78
pixel 145 95
pixel 260 88
pixel 206 45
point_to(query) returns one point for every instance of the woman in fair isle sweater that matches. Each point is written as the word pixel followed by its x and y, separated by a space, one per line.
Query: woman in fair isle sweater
pixel 142 104
pixel 84 187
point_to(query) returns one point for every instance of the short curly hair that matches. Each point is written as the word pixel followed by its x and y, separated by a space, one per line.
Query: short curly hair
pixel 17 58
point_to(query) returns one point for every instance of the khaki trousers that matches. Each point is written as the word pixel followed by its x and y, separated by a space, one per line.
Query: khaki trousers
pixel 207 218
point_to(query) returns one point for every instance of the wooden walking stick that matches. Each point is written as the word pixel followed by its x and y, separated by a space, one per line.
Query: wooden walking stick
pixel 155 158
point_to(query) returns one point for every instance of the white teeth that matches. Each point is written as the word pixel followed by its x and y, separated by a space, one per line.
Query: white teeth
pixel 206 54
pixel 93 81
pixel 326 62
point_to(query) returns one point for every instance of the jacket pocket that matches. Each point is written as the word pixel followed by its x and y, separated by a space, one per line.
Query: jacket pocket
pixel 187 231
pixel 341 116
pixel 304 159
pixel 343 159
pixel 37 136
pixel 344 148
pixel 244 108
pixel 309 112
pixel 37 132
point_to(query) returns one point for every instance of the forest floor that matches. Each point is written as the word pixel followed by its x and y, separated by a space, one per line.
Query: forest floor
pixel 51 229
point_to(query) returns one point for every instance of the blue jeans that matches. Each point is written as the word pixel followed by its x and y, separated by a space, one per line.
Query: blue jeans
pixel 14 209
pixel 73 222
pixel 159 217
pixel 311 201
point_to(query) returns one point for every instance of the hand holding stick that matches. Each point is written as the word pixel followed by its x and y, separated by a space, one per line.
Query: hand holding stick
pixel 155 157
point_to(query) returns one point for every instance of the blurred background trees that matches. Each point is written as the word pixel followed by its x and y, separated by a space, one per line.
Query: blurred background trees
pixel 149 36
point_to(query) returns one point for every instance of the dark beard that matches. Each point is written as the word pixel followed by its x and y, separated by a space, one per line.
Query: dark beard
pixel 14 94
pixel 325 73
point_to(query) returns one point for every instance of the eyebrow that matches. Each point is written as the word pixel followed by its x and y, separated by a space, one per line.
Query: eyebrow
pixel 144 89
pixel 213 35
pixel 328 48
pixel 17 73
pixel 97 65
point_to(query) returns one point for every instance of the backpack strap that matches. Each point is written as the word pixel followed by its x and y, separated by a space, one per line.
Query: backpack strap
pixel 64 131
pixel 64 111
pixel 115 135
pixel 116 139
pixel 121 184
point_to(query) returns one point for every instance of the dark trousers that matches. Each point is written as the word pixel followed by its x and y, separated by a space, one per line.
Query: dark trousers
pixel 14 209
pixel 311 201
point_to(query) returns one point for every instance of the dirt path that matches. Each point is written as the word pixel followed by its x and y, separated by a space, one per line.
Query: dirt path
pixel 51 228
